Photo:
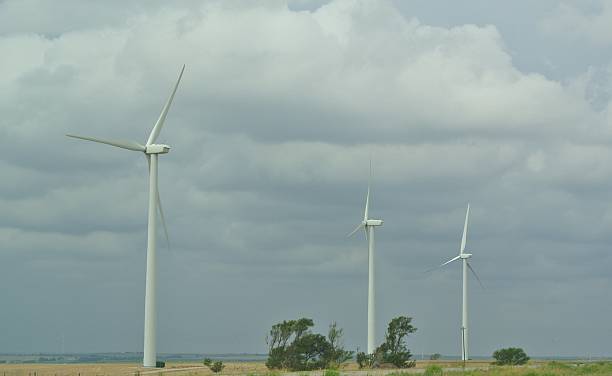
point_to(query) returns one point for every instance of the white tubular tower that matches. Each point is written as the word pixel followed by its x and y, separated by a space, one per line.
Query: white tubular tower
pixel 369 225
pixel 151 151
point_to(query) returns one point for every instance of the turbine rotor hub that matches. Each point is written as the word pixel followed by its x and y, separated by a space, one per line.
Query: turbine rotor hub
pixel 466 255
pixel 157 149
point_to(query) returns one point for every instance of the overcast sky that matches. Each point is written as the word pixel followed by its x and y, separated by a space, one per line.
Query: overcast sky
pixel 506 105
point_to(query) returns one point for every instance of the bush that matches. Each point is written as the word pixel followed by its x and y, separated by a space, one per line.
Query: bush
pixel 511 356
pixel 433 370
pixel 364 360
pixel 216 367
pixel 331 372
pixel 435 356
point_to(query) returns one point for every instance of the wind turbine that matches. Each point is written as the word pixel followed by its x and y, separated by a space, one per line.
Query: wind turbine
pixel 151 150
pixel 369 225
pixel 466 265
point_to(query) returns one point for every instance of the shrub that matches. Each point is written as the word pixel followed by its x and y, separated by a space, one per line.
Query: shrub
pixel 217 366
pixel 214 366
pixel 435 356
pixel 364 360
pixel 510 356
pixel 331 372
pixel 433 370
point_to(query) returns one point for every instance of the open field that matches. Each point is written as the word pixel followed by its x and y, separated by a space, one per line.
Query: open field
pixel 473 368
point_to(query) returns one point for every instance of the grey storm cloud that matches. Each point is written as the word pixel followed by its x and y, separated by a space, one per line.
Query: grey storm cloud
pixel 281 105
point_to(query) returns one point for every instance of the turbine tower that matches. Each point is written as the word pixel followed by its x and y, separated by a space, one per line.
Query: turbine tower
pixel 151 151
pixel 369 225
pixel 466 265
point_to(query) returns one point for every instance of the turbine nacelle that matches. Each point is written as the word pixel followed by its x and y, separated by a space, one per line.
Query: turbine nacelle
pixel 157 149
pixel 373 222
pixel 465 255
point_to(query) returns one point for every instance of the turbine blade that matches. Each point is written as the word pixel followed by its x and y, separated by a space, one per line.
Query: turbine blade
pixel 163 219
pixel 355 230
pixel 465 225
pixel 162 117
pixel 475 275
pixel 367 205
pixel 159 206
pixel 449 261
pixel 441 265
pixel 129 145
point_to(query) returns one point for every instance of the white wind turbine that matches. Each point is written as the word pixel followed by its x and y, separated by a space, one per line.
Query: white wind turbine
pixel 151 150
pixel 369 225
pixel 466 265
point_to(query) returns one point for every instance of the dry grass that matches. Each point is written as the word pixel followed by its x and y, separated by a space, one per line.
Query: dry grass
pixel 128 369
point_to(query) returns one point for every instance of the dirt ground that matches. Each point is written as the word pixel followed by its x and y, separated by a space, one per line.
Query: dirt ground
pixel 173 368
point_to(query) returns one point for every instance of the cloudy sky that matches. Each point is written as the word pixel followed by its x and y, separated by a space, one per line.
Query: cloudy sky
pixel 506 105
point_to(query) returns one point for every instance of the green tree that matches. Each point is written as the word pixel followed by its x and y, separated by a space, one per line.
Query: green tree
pixel 279 341
pixel 337 354
pixel 510 356
pixel 435 356
pixel 293 346
pixel 394 349
pixel 309 351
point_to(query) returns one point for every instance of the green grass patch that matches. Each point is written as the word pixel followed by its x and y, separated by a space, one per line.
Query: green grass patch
pixel 433 370
pixel 331 372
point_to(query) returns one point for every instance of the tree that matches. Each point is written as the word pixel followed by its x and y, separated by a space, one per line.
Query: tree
pixel 337 354
pixel 308 352
pixel 510 356
pixel 278 340
pixel 281 333
pixel 435 356
pixel 394 349
pixel 293 346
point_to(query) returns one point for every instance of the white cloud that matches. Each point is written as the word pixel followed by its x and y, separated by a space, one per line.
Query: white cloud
pixel 587 21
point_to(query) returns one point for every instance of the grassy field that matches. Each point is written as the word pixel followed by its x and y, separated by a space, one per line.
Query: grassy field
pixel 474 368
